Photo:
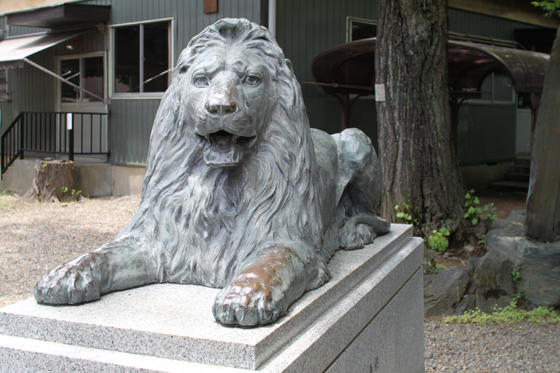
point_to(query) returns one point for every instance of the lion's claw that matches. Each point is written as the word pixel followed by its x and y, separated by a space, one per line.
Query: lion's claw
pixel 248 304
pixel 70 284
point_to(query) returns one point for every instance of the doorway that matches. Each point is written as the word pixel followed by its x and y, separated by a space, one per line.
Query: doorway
pixel 88 72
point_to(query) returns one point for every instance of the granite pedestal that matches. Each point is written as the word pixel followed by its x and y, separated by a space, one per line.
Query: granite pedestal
pixel 367 318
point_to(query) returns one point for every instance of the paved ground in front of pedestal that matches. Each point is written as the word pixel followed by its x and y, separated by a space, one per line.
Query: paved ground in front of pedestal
pixel 35 238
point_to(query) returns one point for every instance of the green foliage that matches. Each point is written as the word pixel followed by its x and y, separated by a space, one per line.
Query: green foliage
pixel 404 213
pixel 63 189
pixel 472 211
pixel 44 165
pixel 509 315
pixel 433 270
pixel 491 217
pixel 76 192
pixel 438 240
pixel 516 275
pixel 481 242
pixel 430 270
pixel 551 7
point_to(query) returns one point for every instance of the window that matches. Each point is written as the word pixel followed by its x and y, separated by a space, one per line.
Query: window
pixel 357 29
pixel 142 59
pixel 4 85
pixel 496 88
pixel 88 74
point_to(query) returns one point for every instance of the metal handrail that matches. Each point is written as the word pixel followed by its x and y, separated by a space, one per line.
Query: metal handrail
pixel 9 144
pixel 54 133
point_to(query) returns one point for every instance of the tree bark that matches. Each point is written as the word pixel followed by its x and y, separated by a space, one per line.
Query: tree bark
pixel 418 162
pixel 53 181
pixel 543 200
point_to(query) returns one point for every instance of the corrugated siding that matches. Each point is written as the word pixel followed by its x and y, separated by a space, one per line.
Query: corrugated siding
pixel 479 24
pixel 30 89
pixel 189 16
pixel 486 133
pixel 20 30
pixel 306 28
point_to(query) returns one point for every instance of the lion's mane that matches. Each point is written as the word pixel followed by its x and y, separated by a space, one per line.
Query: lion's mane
pixel 207 223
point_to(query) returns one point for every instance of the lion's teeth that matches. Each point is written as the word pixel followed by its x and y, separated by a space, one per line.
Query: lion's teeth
pixel 207 137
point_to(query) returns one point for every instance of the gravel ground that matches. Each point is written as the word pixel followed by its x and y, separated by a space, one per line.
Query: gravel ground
pixel 35 238
pixel 524 347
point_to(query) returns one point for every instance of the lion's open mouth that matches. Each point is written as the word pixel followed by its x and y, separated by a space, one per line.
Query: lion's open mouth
pixel 222 139
pixel 223 149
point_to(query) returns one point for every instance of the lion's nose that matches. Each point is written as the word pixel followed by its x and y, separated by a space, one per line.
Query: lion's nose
pixel 221 104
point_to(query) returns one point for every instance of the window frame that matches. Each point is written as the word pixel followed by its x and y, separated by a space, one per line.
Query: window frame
pixel 492 100
pixel 112 57
pixel 80 57
pixel 350 20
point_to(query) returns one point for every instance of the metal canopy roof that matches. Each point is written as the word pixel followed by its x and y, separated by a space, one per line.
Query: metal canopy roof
pixel 350 68
pixel 13 52
pixel 60 15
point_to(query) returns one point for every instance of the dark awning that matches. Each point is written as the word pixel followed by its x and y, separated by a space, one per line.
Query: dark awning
pixel 69 14
pixel 349 68
pixel 14 51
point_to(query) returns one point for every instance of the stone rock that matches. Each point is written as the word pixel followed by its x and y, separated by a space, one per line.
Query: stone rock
pixel 429 263
pixel 491 282
pixel 539 261
pixel 444 290
pixel 467 303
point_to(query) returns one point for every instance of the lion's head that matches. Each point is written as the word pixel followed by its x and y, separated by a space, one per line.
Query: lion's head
pixel 231 156
pixel 229 79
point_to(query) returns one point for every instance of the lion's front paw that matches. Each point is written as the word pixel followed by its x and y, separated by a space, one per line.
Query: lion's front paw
pixel 247 301
pixel 69 284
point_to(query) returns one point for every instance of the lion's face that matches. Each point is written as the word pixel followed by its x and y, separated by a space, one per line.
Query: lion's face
pixel 229 95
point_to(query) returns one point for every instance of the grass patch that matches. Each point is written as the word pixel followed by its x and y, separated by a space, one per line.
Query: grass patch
pixel 509 315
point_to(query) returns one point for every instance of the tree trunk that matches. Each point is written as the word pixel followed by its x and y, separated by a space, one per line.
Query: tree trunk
pixel 53 181
pixel 418 162
pixel 543 200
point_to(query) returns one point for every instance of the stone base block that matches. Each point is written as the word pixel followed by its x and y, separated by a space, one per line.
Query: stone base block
pixel 367 318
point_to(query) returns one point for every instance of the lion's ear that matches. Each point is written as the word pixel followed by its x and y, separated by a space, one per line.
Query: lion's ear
pixel 290 66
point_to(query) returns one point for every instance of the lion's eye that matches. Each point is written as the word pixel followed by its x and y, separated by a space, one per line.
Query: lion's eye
pixel 201 81
pixel 252 80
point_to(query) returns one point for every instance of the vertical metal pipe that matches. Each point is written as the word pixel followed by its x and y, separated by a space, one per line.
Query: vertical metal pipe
pixel 71 139
pixel 272 17
pixel 82 133
pixel 100 132
pixel 91 133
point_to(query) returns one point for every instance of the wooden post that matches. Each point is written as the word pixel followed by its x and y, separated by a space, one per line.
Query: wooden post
pixel 543 200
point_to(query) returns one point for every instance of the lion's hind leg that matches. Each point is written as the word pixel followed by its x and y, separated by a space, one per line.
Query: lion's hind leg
pixel 361 230
pixel 359 188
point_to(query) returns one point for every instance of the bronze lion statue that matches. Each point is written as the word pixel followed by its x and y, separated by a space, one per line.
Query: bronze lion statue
pixel 239 192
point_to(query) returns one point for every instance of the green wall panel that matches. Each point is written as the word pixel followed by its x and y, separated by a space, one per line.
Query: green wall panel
pixel 486 133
